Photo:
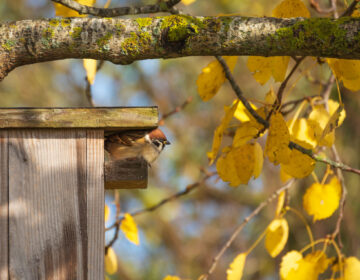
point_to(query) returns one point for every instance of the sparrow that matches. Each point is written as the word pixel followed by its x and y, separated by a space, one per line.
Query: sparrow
pixel 146 144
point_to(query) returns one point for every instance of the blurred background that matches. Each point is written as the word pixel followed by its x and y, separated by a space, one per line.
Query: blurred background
pixel 183 236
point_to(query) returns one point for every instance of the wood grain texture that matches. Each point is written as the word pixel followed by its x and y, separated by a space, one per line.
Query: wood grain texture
pixel 126 174
pixel 96 203
pixel 4 235
pixel 52 187
pixel 107 118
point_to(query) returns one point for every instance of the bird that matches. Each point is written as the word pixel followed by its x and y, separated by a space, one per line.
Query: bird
pixel 146 144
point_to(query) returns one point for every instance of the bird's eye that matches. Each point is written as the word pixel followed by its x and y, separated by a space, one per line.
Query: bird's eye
pixel 157 143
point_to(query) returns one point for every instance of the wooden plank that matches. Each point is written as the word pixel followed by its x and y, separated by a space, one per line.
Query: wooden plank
pixel 51 198
pixel 4 235
pixel 126 174
pixel 95 203
pixel 107 118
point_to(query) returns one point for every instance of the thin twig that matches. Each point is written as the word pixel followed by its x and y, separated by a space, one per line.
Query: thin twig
pixel 238 92
pixel 342 200
pixel 314 4
pixel 176 110
pixel 284 83
pixel 259 119
pixel 242 225
pixel 322 159
pixel 334 8
pixel 349 11
pixel 277 102
pixel 88 92
pixel 175 196
pixel 327 90
pixel 294 103
pixel 163 6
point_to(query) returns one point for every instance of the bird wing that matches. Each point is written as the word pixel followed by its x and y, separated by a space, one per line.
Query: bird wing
pixel 126 138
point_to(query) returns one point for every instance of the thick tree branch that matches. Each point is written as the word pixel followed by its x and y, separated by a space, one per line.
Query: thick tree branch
pixel 123 41
pixel 163 6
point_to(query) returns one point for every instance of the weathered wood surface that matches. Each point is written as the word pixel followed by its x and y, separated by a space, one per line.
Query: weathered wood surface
pixel 107 118
pixel 127 174
pixel 96 203
pixel 4 205
pixel 56 196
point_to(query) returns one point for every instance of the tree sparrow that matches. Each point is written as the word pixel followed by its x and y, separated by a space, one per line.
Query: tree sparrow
pixel 132 144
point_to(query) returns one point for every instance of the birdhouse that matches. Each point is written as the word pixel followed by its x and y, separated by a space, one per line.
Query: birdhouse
pixel 52 181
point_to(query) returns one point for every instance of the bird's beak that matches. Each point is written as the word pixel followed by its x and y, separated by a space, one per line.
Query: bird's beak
pixel 167 142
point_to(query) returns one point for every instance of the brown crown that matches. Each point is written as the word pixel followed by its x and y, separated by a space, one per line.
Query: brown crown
pixel 157 134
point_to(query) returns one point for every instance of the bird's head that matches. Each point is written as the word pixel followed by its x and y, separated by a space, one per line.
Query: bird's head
pixel 157 138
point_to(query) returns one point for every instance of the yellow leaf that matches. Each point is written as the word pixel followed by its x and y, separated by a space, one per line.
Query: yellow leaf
pixel 276 236
pixel 107 213
pixel 300 165
pixel 129 228
pixel 259 159
pixel 280 204
pixel 347 71
pixel 303 131
pixel 333 107
pixel 278 139
pixel 111 265
pixel 321 201
pixel 237 166
pixel 169 277
pixel 236 268
pixel 351 268
pixel 318 120
pixel 262 112
pixel 107 4
pixel 188 2
pixel 62 11
pixel 263 68
pixel 289 262
pixel 244 133
pixel 290 9
pixel 295 267
pixel 284 177
pixel 333 122
pixel 270 97
pixel 241 113
pixel 212 77
pixel 219 131
pixel 90 67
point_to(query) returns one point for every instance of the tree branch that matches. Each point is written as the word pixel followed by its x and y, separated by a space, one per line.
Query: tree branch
pixel 176 110
pixel 239 93
pixel 177 195
pixel 123 41
pixel 314 4
pixel 292 145
pixel 349 11
pixel 163 6
pixel 242 225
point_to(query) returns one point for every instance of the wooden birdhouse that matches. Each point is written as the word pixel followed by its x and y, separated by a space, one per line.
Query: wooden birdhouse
pixel 52 181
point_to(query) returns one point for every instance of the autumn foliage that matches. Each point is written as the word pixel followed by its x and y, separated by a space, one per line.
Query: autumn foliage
pixel 292 142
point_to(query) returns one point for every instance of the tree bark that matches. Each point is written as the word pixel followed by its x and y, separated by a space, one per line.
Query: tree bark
pixel 123 41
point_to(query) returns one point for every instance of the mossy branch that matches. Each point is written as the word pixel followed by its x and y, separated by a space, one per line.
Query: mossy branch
pixel 163 6
pixel 123 41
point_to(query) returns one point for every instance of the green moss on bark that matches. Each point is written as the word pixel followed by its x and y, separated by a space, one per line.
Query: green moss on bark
pixel 325 32
pixel 136 43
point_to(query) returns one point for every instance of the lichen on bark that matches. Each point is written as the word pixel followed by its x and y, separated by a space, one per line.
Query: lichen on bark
pixel 123 41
